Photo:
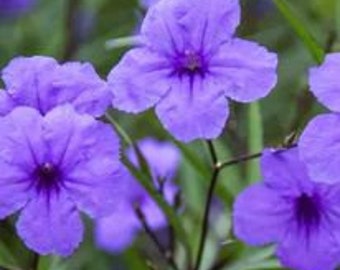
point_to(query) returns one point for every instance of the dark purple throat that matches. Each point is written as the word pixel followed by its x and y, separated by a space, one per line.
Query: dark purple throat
pixel 190 63
pixel 47 178
pixel 308 212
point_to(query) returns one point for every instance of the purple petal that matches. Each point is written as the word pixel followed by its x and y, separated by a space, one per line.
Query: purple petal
pixel 116 232
pixel 11 7
pixel 150 82
pixel 320 146
pixel 153 214
pixel 261 215
pixel 193 110
pixel 78 84
pixel 171 25
pixel 162 157
pixel 285 172
pixel 42 83
pixel 87 152
pixel 21 140
pixel 97 189
pixel 332 193
pixel 22 148
pixel 25 78
pixel 324 83
pixel 319 251
pixel 51 227
pixel 14 192
pixel 147 3
pixel 81 139
pixel 247 70
pixel 6 103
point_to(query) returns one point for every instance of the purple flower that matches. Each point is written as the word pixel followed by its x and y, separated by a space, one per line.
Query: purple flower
pixel 319 143
pixel 324 82
pixel 15 6
pixel 320 146
pixel 52 167
pixel 117 232
pixel 42 83
pixel 302 217
pixel 189 65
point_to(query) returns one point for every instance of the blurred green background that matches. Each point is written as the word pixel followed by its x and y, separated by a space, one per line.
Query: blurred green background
pixel 79 29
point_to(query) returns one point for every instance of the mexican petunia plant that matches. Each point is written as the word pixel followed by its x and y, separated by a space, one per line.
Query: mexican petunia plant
pixel 189 64
pixel 81 179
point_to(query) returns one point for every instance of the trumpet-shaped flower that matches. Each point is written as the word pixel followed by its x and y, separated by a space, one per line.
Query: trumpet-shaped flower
pixel 189 64
pixel 319 142
pixel 53 167
pixel 300 216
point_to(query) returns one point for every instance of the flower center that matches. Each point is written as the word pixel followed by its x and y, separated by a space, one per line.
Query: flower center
pixel 308 212
pixel 190 63
pixel 47 177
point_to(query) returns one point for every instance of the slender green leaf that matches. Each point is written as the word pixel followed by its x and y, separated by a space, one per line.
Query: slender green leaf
pixel 116 43
pixel 159 199
pixel 255 259
pixel 7 259
pixel 144 178
pixel 50 263
pixel 301 30
pixel 126 138
pixel 121 132
pixel 255 140
pixel 337 18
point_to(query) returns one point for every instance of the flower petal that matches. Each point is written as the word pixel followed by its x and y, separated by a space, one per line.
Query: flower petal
pixel 320 148
pixel 6 103
pixel 117 231
pixel 21 149
pixel 21 140
pixel 14 192
pixel 162 157
pixel 320 251
pixel 79 84
pixel 26 78
pixel 42 83
pixel 80 139
pixel 87 152
pixel 193 109
pixel 51 227
pixel 98 188
pixel 285 172
pixel 171 26
pixel 247 70
pixel 140 80
pixel 324 83
pixel 153 214
pixel 261 215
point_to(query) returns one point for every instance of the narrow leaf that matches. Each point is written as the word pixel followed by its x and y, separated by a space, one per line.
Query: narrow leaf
pixel 301 30
pixel 159 199
pixel 255 140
